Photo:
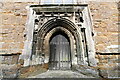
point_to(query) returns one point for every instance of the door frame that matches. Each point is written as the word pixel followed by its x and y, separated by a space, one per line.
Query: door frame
pixel 69 61
pixel 49 23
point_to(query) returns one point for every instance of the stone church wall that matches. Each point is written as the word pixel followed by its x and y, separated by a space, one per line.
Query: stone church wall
pixel 13 18
pixel 105 23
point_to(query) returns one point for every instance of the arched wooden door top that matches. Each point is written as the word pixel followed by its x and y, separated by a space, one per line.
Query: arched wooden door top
pixel 60 57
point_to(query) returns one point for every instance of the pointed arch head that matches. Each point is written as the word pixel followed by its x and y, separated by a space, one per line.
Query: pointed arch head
pixel 64 26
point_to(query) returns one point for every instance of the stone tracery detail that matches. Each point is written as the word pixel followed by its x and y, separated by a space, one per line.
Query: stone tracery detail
pixel 71 21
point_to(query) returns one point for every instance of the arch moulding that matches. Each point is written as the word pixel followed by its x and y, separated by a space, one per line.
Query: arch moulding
pixel 42 23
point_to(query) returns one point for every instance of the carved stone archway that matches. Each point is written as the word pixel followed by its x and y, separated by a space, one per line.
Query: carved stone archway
pixel 45 20
pixel 66 27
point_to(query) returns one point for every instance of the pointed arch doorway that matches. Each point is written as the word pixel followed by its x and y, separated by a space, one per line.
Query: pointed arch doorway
pixel 60 54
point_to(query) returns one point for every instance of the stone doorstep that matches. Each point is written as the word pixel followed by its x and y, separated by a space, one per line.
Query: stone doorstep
pixel 61 74
pixel 86 70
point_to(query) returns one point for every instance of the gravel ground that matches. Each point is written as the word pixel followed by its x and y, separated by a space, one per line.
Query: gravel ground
pixel 61 74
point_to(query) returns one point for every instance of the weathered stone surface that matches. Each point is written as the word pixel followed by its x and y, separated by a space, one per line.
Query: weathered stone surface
pixel 10 73
pixel 8 66
pixel 88 71
pixel 60 74
pixel 105 22
pixel 13 20
pixel 15 14
pixel 103 73
pixel 31 71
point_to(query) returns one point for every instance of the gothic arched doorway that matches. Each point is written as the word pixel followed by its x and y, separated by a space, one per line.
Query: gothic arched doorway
pixel 60 53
